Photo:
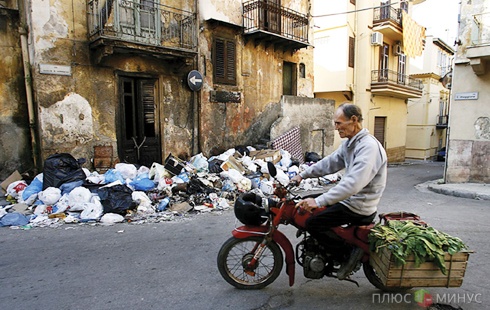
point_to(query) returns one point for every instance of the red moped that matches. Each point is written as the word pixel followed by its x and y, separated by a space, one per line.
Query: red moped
pixel 252 257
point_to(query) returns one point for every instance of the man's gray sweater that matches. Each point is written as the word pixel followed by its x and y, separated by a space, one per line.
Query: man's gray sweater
pixel 364 179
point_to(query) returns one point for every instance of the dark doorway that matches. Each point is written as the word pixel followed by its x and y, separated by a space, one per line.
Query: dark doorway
pixel 139 130
pixel 289 77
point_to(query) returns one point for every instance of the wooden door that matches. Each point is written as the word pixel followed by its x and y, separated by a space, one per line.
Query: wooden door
pixel 139 130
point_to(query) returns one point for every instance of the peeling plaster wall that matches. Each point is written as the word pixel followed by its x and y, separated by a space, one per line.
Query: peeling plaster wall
pixel 15 147
pixel 259 80
pixel 229 11
pixel 59 37
pixel 67 121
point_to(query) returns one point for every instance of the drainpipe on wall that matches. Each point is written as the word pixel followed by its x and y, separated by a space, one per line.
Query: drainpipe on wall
pixel 28 84
pixel 197 95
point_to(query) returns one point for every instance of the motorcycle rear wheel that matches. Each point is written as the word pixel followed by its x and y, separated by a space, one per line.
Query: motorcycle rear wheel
pixel 235 254
pixel 375 280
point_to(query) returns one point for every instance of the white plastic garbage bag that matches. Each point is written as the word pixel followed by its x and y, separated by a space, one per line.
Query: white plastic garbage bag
pixel 141 198
pixel 224 156
pixel 267 187
pixel 200 162
pixel 111 218
pixel 96 178
pixel 128 171
pixel 62 204
pixel 294 169
pixel 92 210
pixel 285 159
pixel 40 209
pixel 234 175
pixel 248 162
pixel 143 170
pixel 78 197
pixel 16 188
pixel 282 177
pixel 157 172
pixel 50 195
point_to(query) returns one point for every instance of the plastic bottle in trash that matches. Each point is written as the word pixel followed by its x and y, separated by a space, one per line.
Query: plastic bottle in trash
pixel 163 204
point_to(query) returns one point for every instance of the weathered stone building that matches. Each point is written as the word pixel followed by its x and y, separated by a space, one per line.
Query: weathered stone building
pixel 139 80
pixel 469 116
pixel 15 143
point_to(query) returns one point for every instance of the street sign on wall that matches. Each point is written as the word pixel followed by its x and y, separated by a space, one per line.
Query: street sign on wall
pixel 466 96
pixel 194 80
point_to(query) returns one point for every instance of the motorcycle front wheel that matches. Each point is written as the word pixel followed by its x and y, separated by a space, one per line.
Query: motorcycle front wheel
pixel 235 255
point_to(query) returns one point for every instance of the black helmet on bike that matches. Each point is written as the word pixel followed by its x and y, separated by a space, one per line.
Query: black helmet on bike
pixel 249 210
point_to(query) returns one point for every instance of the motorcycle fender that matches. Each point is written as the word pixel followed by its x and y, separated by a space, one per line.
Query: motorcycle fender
pixel 247 231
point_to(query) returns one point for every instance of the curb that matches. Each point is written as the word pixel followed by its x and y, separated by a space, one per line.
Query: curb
pixel 458 192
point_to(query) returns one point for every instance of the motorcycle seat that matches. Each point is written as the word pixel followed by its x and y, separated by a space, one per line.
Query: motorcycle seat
pixel 364 221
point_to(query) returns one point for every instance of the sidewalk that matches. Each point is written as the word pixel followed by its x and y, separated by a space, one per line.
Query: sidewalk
pixel 478 191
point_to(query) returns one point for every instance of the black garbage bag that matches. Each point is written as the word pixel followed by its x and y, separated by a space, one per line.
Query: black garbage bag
pixel 243 150
pixel 215 166
pixel 62 168
pixel 117 199
pixel 312 157
pixel 195 186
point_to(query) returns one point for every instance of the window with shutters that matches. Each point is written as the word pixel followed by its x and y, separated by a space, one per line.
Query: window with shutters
pixel 402 67
pixel 224 61
pixel 351 52
pixel 379 129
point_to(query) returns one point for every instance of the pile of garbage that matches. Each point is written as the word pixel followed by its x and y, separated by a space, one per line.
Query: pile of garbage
pixel 65 192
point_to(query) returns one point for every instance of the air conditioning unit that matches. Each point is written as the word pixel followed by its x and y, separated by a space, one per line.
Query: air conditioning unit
pixel 377 38
pixel 397 49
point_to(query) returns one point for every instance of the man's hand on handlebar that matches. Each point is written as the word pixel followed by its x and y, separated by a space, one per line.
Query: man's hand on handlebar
pixel 296 180
pixel 307 204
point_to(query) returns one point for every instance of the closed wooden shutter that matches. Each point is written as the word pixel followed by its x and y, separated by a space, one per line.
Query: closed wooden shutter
pixel 224 61
pixel 148 102
pixel 379 129
pixel 351 52
pixel 230 62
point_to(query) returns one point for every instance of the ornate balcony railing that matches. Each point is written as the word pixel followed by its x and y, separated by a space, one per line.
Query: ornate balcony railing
pixel 393 77
pixel 260 15
pixel 143 22
pixel 387 13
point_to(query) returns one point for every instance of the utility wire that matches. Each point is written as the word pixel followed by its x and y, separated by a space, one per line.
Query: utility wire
pixel 348 12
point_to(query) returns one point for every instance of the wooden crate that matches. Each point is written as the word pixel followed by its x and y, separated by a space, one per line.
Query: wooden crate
pixel 426 275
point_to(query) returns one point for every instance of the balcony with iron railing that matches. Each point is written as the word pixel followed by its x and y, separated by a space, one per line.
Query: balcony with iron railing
pixel 272 24
pixel 390 83
pixel 478 51
pixel 141 25
pixel 388 21
pixel 442 121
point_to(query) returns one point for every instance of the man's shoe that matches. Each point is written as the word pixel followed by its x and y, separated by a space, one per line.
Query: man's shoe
pixel 347 267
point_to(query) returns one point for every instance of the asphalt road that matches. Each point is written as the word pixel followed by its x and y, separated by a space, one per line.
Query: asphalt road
pixel 172 265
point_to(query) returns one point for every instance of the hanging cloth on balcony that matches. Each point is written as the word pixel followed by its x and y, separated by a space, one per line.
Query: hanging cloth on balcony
pixel 413 36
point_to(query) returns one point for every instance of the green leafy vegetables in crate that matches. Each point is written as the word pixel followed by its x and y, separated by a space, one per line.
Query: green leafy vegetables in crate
pixel 404 238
